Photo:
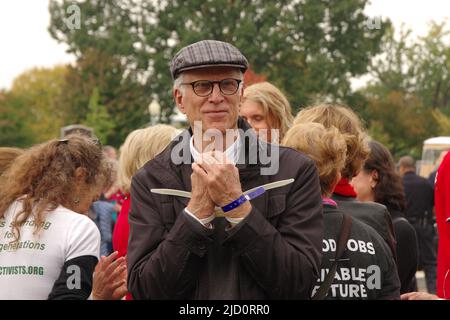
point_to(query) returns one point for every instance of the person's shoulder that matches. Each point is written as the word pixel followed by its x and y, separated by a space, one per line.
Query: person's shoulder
pixel 332 214
pixel 367 232
pixel 360 230
pixel 372 215
pixel 364 206
pixel 402 225
pixel 73 216
pixel 422 179
pixel 416 179
pixel 374 206
pixel 160 164
pixel 425 184
pixel 294 157
pixel 83 222
pixel 163 159
pixel 71 220
pixel 84 228
pixel 409 177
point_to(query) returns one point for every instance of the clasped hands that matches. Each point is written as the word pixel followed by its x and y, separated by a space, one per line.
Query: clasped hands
pixel 215 182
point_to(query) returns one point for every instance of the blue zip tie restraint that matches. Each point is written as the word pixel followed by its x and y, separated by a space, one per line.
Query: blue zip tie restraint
pixel 251 195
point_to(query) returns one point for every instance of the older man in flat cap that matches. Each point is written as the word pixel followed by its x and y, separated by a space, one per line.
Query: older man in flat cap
pixel 195 233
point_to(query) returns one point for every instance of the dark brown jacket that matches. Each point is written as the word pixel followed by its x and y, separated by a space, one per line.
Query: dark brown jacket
pixel 274 253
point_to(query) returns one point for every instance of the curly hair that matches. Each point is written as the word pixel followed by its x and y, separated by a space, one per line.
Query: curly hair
pixel 349 124
pixel 43 177
pixel 273 103
pixel 389 188
pixel 7 156
pixel 327 147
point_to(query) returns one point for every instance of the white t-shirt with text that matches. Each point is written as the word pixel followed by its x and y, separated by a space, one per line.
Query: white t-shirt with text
pixel 29 267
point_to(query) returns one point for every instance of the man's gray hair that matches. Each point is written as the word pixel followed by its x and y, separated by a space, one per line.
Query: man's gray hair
pixel 177 83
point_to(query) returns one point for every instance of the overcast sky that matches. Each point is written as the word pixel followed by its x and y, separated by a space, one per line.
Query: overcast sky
pixel 26 43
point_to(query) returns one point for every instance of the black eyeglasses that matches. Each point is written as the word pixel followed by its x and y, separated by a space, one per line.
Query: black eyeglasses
pixel 204 88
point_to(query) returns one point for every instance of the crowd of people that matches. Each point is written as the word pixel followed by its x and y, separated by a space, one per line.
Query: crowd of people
pixel 198 214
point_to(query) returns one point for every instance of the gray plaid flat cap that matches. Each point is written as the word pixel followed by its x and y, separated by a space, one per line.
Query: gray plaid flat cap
pixel 207 53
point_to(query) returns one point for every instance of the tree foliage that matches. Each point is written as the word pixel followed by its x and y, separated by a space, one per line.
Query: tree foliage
pixel 432 61
pixel 30 110
pixel 125 100
pixel 308 48
pixel 399 122
pixel 98 117
pixel 13 127
pixel 408 99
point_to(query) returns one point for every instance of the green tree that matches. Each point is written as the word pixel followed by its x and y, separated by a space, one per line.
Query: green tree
pixel 393 69
pixel 432 62
pixel 408 99
pixel 13 128
pixel 98 117
pixel 124 98
pixel 443 122
pixel 416 65
pixel 309 48
pixel 399 122
pixel 31 108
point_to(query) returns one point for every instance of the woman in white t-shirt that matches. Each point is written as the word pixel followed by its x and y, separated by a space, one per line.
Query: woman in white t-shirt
pixel 48 246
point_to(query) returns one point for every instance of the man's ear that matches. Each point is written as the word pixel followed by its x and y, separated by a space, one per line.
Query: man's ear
pixel 178 98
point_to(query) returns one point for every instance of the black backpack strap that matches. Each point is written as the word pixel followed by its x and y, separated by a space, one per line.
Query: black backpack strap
pixel 341 245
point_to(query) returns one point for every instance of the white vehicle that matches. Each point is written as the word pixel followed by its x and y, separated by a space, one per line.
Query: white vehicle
pixel 433 152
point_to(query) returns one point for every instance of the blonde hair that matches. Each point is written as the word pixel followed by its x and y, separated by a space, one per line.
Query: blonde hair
pixel 349 124
pixel 139 147
pixel 327 147
pixel 275 105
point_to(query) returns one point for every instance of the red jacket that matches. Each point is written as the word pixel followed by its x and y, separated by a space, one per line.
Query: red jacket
pixel 442 204
pixel 122 229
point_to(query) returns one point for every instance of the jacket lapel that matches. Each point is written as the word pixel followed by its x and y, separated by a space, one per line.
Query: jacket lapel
pixel 249 174
pixel 186 171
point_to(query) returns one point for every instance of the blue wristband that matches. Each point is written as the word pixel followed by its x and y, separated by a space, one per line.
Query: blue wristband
pixel 236 203
pixel 256 193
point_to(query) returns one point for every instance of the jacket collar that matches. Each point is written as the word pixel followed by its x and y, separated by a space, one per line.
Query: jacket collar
pixel 247 172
